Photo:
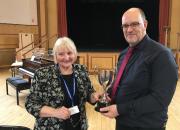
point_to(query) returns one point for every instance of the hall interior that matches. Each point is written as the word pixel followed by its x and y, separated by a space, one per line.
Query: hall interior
pixel 13 114
pixel 46 32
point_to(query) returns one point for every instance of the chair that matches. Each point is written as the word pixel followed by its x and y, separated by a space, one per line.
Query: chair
pixel 9 127
pixel 19 84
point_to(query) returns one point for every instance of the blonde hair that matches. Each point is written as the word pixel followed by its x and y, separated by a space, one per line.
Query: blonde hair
pixel 64 43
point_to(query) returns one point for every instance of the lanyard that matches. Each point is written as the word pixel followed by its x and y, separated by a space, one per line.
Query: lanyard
pixel 71 95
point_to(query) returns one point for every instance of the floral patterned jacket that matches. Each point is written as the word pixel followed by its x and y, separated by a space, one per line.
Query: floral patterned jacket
pixel 46 90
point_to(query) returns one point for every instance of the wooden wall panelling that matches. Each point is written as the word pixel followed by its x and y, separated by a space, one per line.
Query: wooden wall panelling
pixel 9 34
pixel 7 57
pixel 15 29
pixel 8 41
pixel 101 60
pixel 117 56
pixel 83 58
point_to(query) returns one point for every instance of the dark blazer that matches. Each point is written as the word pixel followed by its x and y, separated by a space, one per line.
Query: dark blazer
pixel 46 90
pixel 147 85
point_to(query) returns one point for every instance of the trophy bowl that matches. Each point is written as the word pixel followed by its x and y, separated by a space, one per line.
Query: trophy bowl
pixel 105 78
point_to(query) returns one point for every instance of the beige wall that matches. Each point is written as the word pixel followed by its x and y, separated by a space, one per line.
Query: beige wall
pixel 174 23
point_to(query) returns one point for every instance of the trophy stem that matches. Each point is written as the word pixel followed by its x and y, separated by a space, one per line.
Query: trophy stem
pixel 104 99
pixel 105 78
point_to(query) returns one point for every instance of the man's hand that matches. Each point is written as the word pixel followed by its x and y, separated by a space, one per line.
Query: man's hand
pixel 110 111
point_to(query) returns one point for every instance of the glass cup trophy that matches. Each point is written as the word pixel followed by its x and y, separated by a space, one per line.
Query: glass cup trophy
pixel 105 79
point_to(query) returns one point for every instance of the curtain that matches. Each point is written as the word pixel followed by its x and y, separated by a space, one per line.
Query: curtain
pixel 164 6
pixel 62 18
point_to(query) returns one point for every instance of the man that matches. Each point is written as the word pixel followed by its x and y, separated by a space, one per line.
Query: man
pixel 148 82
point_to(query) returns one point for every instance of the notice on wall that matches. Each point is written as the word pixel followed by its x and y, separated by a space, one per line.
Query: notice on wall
pixel 18 12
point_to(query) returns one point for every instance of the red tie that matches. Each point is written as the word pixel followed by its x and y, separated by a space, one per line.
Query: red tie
pixel 120 72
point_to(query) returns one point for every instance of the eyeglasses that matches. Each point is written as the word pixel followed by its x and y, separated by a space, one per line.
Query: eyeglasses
pixel 132 25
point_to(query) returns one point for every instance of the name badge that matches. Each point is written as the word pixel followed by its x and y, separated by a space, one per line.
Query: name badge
pixel 32 58
pixel 73 110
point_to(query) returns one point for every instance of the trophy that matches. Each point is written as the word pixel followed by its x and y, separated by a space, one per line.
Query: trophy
pixel 105 78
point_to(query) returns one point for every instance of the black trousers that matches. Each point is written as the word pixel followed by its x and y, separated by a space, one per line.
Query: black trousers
pixel 122 127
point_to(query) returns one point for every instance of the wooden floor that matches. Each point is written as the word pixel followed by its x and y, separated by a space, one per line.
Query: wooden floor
pixel 11 114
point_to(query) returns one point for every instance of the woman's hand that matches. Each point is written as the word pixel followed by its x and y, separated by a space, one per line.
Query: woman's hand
pixel 62 113
pixel 95 97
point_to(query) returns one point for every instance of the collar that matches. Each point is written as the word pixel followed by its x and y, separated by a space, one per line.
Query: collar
pixel 142 43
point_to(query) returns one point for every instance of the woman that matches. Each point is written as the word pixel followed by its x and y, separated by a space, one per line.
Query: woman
pixel 59 92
